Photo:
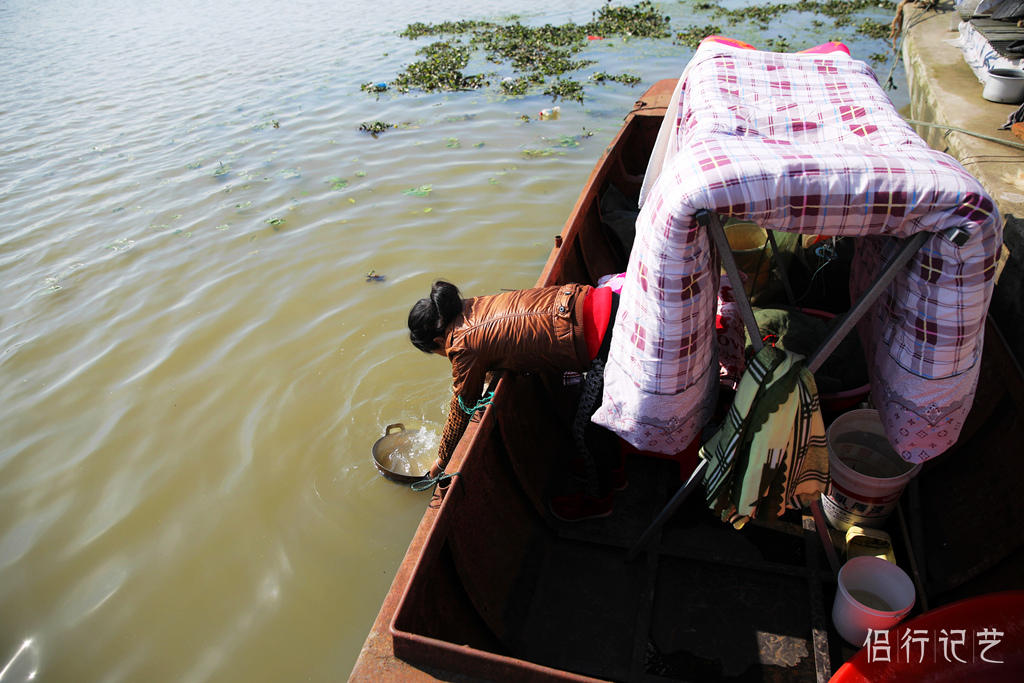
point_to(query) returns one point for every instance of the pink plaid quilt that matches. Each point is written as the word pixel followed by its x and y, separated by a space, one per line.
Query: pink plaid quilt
pixel 811 144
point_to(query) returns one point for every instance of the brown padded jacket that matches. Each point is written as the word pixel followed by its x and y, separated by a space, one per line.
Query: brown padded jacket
pixel 526 330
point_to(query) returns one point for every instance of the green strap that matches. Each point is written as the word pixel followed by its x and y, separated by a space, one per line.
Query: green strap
pixel 484 401
pixel 428 482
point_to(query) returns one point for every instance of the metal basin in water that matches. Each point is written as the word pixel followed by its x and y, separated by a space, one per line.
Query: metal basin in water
pixel 395 455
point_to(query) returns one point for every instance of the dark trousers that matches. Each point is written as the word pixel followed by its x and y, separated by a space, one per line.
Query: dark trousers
pixel 596 446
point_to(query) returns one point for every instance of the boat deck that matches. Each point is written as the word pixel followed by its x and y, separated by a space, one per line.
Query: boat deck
pixel 704 601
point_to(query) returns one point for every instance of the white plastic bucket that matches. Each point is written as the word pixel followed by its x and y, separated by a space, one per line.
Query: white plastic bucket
pixel 872 594
pixel 866 476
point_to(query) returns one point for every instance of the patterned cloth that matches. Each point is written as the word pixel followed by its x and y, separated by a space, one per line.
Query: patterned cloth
pixel 770 452
pixel 804 143
pixel 979 53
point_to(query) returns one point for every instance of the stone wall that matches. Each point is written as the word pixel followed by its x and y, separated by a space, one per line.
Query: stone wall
pixel 945 92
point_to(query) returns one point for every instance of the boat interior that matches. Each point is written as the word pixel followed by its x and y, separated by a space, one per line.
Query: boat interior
pixel 503 590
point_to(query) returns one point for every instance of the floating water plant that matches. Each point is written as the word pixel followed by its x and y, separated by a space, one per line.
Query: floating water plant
pixel 628 79
pixel 536 54
pixel 421 191
pixel 692 35
pixel 375 128
pixel 874 29
pixel 839 10
pixel 565 88
pixel 440 70
pixel 337 183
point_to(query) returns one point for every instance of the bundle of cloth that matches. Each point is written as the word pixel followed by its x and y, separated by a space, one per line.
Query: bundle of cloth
pixel 807 143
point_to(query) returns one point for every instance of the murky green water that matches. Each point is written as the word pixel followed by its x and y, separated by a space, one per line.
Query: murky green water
pixel 193 364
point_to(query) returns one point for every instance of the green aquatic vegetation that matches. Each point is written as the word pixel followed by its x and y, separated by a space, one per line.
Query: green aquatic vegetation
pixel 878 58
pixel 421 191
pixel 516 86
pixel 535 53
pixel 270 123
pixel 628 79
pixel 838 10
pixel 291 173
pixel 375 128
pixel 440 70
pixel 874 29
pixel 778 44
pixel 565 88
pixel 222 170
pixel 538 153
pixel 419 29
pixel 275 222
pixel 641 20
pixel 337 183
pixel 453 143
pixel 692 35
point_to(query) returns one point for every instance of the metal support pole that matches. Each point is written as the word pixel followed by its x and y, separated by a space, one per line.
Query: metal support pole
pixel 710 220
pixel 889 271
pixel 682 494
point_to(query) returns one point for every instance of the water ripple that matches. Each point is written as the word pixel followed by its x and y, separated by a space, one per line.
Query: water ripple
pixel 193 363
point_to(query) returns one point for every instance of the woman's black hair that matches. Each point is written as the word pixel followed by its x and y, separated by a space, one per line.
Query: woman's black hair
pixel 430 317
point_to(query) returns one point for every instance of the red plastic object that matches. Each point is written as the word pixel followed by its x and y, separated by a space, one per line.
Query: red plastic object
pixel 996 618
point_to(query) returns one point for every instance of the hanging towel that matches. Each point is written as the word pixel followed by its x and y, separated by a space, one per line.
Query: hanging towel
pixel 770 453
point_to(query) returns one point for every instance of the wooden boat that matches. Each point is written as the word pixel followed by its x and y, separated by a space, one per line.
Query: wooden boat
pixel 493 587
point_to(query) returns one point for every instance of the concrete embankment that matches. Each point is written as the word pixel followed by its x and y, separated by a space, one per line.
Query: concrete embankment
pixel 944 91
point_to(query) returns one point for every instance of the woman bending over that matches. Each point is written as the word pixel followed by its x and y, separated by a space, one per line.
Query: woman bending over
pixel 546 329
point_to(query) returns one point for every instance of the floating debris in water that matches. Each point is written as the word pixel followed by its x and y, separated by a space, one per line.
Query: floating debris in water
pixel 337 183
pixel 376 128
pixel 550 113
pixel 374 276
pixel 421 191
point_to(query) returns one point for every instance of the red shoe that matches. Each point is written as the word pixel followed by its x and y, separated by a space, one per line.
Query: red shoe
pixel 578 507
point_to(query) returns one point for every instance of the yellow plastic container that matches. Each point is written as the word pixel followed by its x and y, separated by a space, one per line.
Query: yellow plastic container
pixel 870 542
pixel 753 256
